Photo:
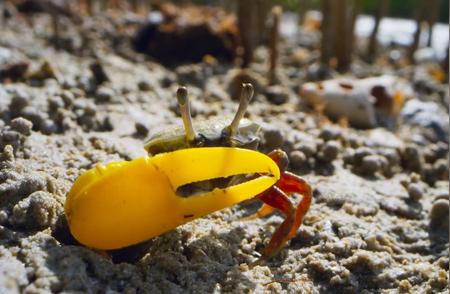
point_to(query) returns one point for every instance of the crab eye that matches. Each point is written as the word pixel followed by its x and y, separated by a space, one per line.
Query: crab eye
pixel 185 109
pixel 246 96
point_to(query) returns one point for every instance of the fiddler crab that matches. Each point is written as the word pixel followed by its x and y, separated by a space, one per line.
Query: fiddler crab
pixel 189 173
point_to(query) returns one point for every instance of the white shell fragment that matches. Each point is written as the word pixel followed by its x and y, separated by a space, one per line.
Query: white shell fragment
pixel 365 103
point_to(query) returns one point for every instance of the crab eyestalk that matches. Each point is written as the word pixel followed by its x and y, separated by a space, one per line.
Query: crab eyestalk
pixel 246 95
pixel 185 109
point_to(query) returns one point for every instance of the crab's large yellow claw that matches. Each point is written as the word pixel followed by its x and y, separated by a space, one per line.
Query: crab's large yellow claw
pixel 124 203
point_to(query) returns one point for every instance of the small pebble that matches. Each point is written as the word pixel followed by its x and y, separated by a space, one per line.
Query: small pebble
pixel 353 140
pixel 440 150
pixel 77 92
pixel 144 86
pixel 18 102
pixel 99 73
pixel 125 90
pixel 86 84
pixel 429 174
pixel 360 153
pixel 372 164
pixel 414 177
pixel 404 181
pixel 330 133
pixel 415 191
pixel 86 105
pixel 308 148
pixel 34 115
pixel 442 195
pixel 428 155
pixel 22 126
pixel 412 158
pixel 392 156
pixel 3 217
pixel 168 80
pixel 330 151
pixel 297 159
pixel 190 74
pixel 68 97
pixel 55 102
pixel 404 286
pixel 104 94
pixel 7 154
pixel 276 95
pixel 439 217
pixel 273 138
pixel 441 169
pixel 348 155
pixel 48 127
pixel 68 83
pixel 141 129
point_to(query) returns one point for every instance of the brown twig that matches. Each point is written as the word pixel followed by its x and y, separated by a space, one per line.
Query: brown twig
pixel 382 9
pixel 247 23
pixel 274 39
pixel 420 18
pixel 432 17
pixel 346 12
pixel 56 29
pixel 304 6
pixel 327 32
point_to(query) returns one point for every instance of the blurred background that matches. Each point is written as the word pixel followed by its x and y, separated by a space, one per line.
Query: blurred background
pixel 413 23
pixel 278 46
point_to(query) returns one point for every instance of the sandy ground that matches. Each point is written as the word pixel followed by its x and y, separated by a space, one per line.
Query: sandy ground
pixel 378 222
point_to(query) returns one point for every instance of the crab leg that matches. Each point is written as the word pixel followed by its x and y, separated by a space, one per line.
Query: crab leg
pixel 290 183
pixel 264 211
pixel 281 159
pixel 277 199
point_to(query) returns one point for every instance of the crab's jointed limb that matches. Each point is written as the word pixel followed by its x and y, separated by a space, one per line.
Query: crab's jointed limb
pixel 276 197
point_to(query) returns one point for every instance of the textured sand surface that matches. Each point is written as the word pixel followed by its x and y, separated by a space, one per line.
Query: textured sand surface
pixel 378 222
